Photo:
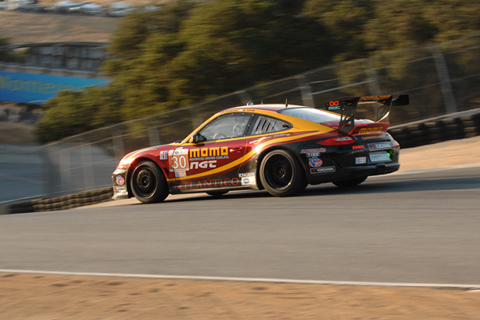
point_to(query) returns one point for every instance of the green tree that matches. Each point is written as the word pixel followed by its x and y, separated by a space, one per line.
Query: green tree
pixel 189 51
pixel 345 22
pixel 7 55
pixel 399 24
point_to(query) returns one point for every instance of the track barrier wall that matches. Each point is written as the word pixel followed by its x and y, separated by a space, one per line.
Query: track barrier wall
pixel 442 82
pixel 409 135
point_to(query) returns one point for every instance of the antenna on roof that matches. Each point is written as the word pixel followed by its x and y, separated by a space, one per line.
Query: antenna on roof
pixel 286 103
pixel 261 102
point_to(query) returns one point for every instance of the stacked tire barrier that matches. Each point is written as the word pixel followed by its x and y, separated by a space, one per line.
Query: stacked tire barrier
pixel 62 203
pixel 434 131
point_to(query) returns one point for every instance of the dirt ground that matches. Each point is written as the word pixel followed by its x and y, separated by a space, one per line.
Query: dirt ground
pixel 42 297
pixel 23 28
pixel 30 296
pixel 60 297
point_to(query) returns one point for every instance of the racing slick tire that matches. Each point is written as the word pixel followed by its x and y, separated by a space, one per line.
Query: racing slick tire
pixel 349 183
pixel 216 194
pixel 148 183
pixel 282 174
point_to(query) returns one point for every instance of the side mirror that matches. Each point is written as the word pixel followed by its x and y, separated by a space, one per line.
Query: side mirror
pixel 198 138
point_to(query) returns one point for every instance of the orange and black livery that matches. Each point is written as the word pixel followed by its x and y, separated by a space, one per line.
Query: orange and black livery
pixel 278 147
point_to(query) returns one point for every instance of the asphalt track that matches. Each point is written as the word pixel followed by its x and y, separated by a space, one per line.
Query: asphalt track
pixel 416 227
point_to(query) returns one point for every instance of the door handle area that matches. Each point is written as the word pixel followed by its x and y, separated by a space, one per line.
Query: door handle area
pixel 236 150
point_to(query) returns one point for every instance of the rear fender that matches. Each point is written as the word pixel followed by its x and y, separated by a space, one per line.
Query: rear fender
pixel 265 152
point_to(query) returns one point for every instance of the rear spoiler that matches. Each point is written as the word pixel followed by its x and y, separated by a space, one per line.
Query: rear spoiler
pixel 347 107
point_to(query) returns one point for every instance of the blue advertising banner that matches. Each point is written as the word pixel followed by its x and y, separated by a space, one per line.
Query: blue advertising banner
pixel 38 88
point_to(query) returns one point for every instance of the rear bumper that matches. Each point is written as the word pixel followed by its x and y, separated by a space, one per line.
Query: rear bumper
pixel 353 172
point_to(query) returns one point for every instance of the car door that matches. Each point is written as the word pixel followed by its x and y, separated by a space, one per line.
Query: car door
pixel 214 161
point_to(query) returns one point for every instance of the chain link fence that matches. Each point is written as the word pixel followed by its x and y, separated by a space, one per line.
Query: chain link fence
pixel 439 79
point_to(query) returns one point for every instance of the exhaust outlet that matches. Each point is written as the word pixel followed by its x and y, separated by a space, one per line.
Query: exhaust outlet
pixel 381 169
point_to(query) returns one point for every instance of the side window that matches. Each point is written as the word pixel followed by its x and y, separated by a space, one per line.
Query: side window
pixel 226 127
pixel 265 124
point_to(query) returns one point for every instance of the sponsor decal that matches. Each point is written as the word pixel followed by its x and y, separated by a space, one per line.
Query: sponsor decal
pixel 334 103
pixel 381 156
pixel 249 181
pixel 316 150
pixel 360 160
pixel 374 98
pixel 376 146
pixel 358 147
pixel 178 160
pixel 334 108
pixel 212 153
pixel 164 155
pixel 323 170
pixel 370 130
pixel 203 164
pixel 279 135
pixel 315 162
pixel 120 180
pixel 369 138
pixel 180 174
pixel 213 183
pixel 246 174
pixel 182 160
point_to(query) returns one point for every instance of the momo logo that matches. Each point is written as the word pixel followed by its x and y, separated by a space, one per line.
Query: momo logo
pixel 208 152
pixel 370 130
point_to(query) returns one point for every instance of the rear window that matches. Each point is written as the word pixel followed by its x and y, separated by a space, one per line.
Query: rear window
pixel 266 125
pixel 310 114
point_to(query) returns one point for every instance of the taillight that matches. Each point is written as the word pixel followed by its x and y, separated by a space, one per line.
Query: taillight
pixel 337 141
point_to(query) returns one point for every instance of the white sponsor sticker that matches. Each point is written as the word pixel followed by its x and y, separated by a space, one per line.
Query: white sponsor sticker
pixel 360 160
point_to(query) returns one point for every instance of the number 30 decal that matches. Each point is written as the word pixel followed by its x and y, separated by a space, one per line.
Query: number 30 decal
pixel 179 162
pixel 178 159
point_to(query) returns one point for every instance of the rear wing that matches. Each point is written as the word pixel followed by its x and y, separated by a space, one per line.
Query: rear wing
pixel 347 108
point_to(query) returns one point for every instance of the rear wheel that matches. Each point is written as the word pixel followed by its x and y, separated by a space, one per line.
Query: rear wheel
pixel 282 174
pixel 148 183
pixel 349 183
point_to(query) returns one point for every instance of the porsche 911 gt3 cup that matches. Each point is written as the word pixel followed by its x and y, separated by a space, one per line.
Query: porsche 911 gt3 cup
pixel 278 147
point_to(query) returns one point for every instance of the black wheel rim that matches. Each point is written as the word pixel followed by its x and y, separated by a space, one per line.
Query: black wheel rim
pixel 145 181
pixel 278 172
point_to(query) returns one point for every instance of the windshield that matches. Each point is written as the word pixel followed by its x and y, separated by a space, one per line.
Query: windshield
pixel 311 114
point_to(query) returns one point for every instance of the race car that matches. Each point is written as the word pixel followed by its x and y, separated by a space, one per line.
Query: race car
pixel 277 147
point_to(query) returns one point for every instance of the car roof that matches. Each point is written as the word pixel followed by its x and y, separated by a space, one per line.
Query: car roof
pixel 264 107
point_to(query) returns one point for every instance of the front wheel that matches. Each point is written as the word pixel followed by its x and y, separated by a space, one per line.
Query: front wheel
pixel 349 183
pixel 282 174
pixel 148 183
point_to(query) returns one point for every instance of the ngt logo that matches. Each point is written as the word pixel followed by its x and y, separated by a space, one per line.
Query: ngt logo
pixel 203 164
pixel 208 152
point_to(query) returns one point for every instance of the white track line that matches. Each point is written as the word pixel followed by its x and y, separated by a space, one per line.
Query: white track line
pixel 470 287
